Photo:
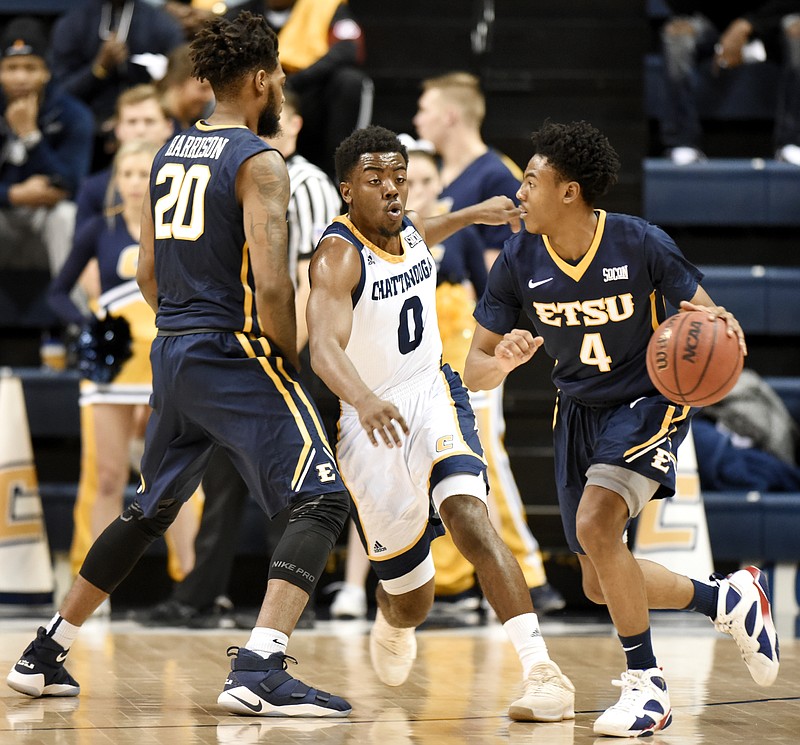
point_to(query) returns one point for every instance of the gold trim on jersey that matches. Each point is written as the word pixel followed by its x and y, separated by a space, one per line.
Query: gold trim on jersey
pixel 400 551
pixel 577 271
pixel 667 428
pixel 301 394
pixel 290 404
pixel 654 310
pixel 248 291
pixel 206 127
pixel 391 258
pixel 516 171
pixel 454 409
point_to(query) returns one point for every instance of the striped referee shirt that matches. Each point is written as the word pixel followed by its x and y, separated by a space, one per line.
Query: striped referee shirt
pixel 313 203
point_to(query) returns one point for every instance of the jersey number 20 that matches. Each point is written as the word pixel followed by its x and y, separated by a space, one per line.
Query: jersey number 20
pixel 183 186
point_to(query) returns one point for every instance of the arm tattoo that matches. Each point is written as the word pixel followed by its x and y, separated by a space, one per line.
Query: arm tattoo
pixel 272 182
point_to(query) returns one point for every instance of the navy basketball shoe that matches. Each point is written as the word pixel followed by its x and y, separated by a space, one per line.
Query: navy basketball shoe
pixel 262 688
pixel 40 671
pixel 744 612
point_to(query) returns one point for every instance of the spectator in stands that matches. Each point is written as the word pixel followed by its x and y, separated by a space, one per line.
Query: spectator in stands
pixel 450 114
pixel 185 98
pixel 200 600
pixel 45 150
pixel 747 441
pixel 728 35
pixel 321 48
pixel 112 240
pixel 139 115
pixel 102 47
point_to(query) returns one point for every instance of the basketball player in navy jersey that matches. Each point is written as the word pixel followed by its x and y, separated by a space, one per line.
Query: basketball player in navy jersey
pixel 213 265
pixel 594 285
pixel 407 447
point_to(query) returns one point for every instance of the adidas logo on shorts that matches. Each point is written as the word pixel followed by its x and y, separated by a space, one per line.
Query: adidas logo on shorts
pixel 378 548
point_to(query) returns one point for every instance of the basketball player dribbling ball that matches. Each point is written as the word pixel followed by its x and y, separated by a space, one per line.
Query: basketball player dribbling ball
pixel 407 445
pixel 213 264
pixel 594 285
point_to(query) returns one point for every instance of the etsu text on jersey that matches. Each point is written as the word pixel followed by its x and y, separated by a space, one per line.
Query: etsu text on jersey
pixel 188 146
pixel 383 288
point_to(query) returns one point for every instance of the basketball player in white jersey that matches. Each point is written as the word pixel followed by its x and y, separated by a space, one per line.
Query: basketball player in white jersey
pixel 408 449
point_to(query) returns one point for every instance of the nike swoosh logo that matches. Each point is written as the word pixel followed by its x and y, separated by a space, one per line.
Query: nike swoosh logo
pixel 633 403
pixel 250 706
pixel 62 656
pixel 533 284
pixel 630 649
pixel 277 641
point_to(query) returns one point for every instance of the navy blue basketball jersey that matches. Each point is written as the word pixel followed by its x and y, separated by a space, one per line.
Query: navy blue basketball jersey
pixel 596 316
pixel 489 175
pixel 202 263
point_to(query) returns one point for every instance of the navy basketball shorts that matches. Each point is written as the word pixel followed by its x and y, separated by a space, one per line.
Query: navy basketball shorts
pixel 230 390
pixel 641 437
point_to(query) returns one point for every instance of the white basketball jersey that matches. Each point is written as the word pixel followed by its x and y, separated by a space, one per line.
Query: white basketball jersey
pixel 395 334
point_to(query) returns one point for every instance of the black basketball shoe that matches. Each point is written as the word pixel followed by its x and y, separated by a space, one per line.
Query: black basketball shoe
pixel 262 688
pixel 40 671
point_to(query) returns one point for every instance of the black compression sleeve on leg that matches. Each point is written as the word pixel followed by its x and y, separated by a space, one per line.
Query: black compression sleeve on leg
pixel 314 525
pixel 119 547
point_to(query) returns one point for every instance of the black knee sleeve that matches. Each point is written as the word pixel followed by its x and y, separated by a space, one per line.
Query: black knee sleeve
pixel 314 525
pixel 120 546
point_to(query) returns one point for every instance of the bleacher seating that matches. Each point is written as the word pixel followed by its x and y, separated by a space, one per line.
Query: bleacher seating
pixel 766 300
pixel 722 191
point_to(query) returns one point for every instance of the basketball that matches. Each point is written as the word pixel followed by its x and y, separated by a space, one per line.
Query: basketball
pixel 692 360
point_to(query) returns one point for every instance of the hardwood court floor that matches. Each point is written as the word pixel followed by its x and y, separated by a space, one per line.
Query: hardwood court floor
pixel 153 687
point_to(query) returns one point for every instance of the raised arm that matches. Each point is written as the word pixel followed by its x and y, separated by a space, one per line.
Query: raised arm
pixel 335 273
pixel 494 211
pixel 263 187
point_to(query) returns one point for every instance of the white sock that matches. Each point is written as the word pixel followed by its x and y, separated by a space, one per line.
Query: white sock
pixel 523 631
pixel 354 589
pixel 62 632
pixel 266 641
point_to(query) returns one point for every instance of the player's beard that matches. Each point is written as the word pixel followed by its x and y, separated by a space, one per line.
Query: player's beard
pixel 269 122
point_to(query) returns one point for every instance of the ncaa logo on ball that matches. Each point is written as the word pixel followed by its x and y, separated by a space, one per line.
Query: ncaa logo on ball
pixel 692 340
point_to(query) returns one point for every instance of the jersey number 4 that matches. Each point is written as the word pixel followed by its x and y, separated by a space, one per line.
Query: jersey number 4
pixel 186 194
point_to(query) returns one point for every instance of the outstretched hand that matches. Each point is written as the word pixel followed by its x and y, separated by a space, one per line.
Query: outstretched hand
pixel 516 348
pixel 499 210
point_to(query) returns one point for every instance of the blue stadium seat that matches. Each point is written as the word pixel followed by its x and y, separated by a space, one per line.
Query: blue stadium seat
pixel 722 192
pixel 766 300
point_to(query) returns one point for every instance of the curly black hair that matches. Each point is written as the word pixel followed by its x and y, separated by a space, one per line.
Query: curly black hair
pixel 224 51
pixel 372 139
pixel 579 152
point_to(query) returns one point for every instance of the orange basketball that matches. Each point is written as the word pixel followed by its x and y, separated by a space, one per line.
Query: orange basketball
pixel 692 360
